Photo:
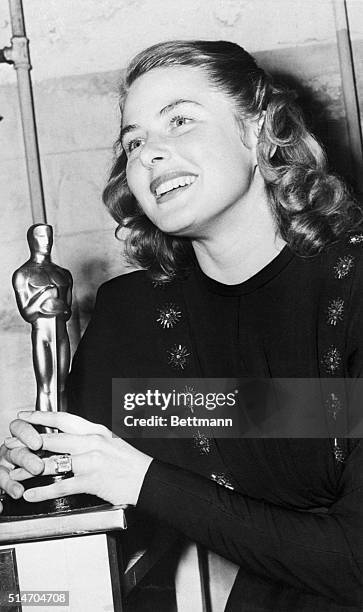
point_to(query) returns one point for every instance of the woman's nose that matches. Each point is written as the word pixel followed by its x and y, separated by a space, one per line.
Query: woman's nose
pixel 153 152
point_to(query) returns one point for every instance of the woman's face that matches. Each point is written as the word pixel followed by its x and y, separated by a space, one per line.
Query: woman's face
pixel 187 165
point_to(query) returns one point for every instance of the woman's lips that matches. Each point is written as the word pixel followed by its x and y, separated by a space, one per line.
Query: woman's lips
pixel 169 180
pixel 173 193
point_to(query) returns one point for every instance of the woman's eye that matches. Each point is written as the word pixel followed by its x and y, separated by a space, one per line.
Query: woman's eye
pixel 179 121
pixel 133 144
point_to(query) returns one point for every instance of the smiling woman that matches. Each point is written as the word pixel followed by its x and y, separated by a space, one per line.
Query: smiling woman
pixel 213 114
pixel 188 146
pixel 252 260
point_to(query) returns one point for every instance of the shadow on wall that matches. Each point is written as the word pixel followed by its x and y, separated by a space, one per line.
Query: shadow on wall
pixel 313 71
pixel 91 273
pixel 89 270
pixel 320 112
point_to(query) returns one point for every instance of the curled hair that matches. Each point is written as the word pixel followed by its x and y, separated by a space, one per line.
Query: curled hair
pixel 312 208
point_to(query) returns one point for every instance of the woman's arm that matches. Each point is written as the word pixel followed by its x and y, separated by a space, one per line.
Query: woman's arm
pixel 317 552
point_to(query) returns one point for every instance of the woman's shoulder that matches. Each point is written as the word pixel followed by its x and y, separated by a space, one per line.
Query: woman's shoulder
pixel 135 289
pixel 344 258
pixel 341 259
pixel 136 280
pixel 351 240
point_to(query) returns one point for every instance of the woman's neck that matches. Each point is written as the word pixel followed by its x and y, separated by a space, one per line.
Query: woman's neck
pixel 241 247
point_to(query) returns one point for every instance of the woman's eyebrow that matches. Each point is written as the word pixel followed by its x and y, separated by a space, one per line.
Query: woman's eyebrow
pixel 166 109
pixel 175 103
pixel 127 129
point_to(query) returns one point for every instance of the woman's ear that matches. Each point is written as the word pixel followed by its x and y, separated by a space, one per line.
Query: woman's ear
pixel 253 133
pixel 260 123
pixel 250 131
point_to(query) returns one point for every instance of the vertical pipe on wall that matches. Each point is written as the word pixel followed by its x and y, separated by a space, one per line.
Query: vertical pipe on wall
pixel 21 60
pixel 349 91
pixel 18 54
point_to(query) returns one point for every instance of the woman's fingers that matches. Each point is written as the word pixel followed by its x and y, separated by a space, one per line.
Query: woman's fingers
pixel 82 464
pixel 69 423
pixel 50 468
pixel 13 488
pixel 26 434
pixel 69 486
pixel 23 457
pixel 63 443
pixel 20 474
pixel 72 444
pixel 3 461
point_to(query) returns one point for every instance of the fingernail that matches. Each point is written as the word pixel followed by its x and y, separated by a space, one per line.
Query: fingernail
pixel 37 465
pixel 25 412
pixel 29 495
pixel 10 440
pixel 35 443
pixel 17 491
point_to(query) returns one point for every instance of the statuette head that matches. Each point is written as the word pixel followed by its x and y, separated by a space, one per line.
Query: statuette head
pixel 40 238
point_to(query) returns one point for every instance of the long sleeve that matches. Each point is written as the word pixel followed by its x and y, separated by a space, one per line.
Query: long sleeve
pixel 319 552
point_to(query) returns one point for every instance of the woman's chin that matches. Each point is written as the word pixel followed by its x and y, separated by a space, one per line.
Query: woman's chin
pixel 175 227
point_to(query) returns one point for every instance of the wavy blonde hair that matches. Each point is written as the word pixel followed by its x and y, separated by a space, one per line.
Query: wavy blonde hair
pixel 311 206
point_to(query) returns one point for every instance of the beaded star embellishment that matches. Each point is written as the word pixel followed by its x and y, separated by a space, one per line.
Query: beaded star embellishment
pixel 335 311
pixel 331 360
pixel 189 391
pixel 356 239
pixel 200 440
pixel 343 266
pixel 223 480
pixel 169 316
pixel 334 405
pixel 202 443
pixel 178 356
pixel 338 452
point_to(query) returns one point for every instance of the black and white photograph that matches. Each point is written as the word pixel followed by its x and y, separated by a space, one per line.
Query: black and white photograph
pixel 181 305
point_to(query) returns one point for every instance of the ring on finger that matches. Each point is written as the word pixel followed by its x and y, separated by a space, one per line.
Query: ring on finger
pixel 63 463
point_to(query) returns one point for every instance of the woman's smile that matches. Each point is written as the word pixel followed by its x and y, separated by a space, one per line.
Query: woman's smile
pixel 170 185
pixel 184 146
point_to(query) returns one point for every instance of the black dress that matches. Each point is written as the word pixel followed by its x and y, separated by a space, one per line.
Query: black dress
pixel 289 512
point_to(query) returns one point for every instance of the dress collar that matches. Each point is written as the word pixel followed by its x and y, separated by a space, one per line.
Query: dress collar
pixel 263 276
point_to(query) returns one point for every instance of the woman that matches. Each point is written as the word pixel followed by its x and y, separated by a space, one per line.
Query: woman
pixel 251 262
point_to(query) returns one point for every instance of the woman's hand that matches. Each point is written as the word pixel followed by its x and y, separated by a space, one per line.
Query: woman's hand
pixel 102 464
pixel 9 459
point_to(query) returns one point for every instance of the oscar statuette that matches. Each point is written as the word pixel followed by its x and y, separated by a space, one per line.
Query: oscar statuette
pixel 43 293
pixel 66 548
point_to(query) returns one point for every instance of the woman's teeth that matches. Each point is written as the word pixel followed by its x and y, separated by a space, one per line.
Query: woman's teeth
pixel 174 184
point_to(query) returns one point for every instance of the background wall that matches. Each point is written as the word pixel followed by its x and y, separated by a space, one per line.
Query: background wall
pixel 78 49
